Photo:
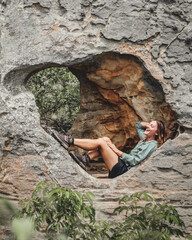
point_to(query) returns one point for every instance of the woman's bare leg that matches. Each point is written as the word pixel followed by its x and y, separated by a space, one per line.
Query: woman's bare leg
pixel 110 158
pixel 87 144
pixel 93 154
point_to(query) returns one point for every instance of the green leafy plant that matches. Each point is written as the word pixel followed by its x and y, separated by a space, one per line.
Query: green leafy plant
pixel 57 95
pixel 145 219
pixel 63 213
pixel 55 209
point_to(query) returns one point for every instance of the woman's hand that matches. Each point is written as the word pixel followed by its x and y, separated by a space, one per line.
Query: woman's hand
pixel 144 124
pixel 112 146
pixel 115 149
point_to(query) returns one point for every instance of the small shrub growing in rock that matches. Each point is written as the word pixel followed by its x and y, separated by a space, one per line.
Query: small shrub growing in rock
pixel 55 209
pixel 144 219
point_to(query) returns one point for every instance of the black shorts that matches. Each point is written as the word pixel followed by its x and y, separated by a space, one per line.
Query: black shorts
pixel 118 169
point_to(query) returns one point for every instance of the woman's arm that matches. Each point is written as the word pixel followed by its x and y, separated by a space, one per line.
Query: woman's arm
pixel 140 128
pixel 135 159
pixel 144 124
pixel 115 149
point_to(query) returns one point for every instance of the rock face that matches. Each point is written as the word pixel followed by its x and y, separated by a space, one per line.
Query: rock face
pixel 123 92
pixel 133 59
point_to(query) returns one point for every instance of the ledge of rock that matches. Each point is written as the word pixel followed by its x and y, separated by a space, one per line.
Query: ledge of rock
pixel 133 59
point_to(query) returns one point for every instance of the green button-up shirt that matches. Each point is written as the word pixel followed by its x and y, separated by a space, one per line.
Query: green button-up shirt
pixel 141 151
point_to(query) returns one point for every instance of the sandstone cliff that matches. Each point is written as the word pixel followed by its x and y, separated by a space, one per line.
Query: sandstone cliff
pixel 133 59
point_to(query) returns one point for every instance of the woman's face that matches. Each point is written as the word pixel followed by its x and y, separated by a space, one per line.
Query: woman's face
pixel 151 129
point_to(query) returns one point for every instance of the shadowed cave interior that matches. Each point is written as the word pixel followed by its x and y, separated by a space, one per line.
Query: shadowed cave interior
pixel 116 91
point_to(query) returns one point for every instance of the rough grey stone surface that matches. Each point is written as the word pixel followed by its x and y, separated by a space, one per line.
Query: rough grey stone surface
pixel 38 34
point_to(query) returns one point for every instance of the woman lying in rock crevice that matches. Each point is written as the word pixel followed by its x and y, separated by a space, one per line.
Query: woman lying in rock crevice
pixel 116 161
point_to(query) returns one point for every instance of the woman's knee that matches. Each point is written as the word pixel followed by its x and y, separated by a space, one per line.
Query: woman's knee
pixel 106 139
pixel 101 142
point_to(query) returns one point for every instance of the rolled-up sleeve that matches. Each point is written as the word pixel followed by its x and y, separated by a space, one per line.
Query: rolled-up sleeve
pixel 140 130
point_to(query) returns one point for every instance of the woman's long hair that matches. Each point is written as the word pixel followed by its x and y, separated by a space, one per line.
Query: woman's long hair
pixel 160 131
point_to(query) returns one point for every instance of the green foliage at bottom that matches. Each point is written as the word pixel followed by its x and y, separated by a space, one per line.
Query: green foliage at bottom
pixel 72 215
pixel 55 209
pixel 146 219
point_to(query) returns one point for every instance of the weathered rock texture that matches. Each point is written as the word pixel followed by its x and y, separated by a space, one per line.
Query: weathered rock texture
pixel 133 59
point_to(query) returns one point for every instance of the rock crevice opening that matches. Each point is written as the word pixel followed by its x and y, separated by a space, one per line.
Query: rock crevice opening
pixel 116 91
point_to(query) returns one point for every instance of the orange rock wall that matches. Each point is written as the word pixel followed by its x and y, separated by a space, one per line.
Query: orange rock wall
pixel 117 91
